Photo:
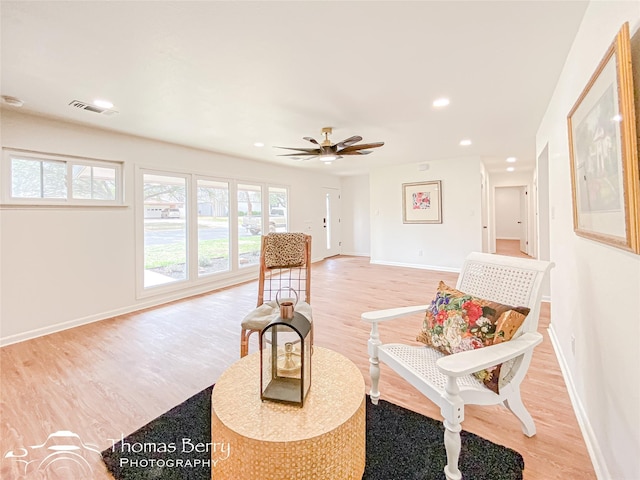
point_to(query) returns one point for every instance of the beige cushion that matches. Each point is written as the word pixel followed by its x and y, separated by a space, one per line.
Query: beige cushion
pixel 261 316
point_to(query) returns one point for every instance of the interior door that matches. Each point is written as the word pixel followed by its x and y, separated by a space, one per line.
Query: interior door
pixel 484 213
pixel 524 219
pixel 331 222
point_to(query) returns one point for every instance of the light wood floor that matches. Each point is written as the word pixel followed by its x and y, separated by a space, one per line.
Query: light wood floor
pixel 109 378
pixel 510 247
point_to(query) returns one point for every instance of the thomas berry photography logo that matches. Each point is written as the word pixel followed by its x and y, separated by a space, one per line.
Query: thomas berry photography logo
pixel 184 453
pixel 62 455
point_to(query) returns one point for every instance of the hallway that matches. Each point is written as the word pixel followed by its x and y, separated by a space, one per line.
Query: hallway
pixel 510 248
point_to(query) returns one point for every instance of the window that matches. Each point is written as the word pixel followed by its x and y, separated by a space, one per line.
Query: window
pixel 45 179
pixel 193 228
pixel 93 182
pixel 278 219
pixel 213 227
pixel 165 229
pixel 249 224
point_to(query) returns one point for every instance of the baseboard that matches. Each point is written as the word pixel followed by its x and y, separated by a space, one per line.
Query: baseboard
pixel 140 305
pixel 437 268
pixel 146 302
pixel 546 298
pixel 354 254
pixel 58 327
pixel 593 447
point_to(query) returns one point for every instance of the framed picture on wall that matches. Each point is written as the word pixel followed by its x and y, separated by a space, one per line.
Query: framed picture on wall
pixel 603 152
pixel 422 202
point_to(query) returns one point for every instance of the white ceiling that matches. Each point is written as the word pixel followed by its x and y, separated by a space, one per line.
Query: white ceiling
pixel 222 75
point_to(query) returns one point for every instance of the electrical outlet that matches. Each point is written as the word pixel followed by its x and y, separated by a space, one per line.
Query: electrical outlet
pixel 573 345
pixel 420 253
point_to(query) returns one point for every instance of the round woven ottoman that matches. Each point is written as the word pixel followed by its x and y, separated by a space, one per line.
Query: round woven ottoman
pixel 325 439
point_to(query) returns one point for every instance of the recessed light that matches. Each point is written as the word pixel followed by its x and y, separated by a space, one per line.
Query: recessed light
pixel 258 144
pixel 103 103
pixel 511 159
pixel 441 102
pixel 510 169
pixel 465 143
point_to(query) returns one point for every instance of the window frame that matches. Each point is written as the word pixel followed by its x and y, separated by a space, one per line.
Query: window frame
pixel 195 282
pixel 6 172
pixel 232 237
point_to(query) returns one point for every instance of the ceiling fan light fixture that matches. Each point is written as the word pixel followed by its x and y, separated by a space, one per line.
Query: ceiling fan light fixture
pixel 327 152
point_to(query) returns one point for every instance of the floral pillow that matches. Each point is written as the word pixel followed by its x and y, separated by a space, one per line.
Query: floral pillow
pixel 456 322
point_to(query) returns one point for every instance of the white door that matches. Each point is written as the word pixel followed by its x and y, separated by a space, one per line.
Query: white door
pixel 331 222
pixel 484 192
pixel 524 219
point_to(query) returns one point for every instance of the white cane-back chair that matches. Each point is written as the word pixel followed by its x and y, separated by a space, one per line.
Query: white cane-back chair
pixel 447 380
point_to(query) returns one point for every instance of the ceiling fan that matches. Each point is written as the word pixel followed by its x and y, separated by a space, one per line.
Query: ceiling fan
pixel 327 151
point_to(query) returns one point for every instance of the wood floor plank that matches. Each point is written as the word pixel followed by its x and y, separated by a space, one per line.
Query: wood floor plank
pixel 109 378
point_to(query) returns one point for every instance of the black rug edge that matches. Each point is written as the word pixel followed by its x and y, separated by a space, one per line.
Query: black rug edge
pixel 382 455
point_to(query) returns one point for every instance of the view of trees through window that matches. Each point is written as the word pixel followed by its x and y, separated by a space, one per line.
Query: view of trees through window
pixel 35 178
pixel 249 224
pixel 278 217
pixel 94 182
pixel 189 228
pixel 165 229
pixel 213 227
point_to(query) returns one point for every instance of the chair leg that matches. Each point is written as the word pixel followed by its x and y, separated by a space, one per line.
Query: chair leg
pixel 453 414
pixel 244 342
pixel 374 363
pixel 514 403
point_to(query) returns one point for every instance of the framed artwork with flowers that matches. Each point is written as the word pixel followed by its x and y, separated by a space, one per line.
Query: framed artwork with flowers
pixel 422 202
pixel 604 153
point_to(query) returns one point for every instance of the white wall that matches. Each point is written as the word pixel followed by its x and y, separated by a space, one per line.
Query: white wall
pixel 61 267
pixel 356 222
pixel 443 246
pixel 594 287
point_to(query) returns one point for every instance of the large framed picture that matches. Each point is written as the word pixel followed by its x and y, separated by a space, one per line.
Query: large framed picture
pixel 604 154
pixel 422 202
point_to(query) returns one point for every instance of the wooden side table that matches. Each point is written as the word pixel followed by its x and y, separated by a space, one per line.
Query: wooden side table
pixel 323 440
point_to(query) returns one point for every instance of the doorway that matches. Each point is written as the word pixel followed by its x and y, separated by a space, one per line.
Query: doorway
pixel 331 222
pixel 512 219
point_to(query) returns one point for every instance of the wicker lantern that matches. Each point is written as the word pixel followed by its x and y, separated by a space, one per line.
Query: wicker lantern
pixel 285 357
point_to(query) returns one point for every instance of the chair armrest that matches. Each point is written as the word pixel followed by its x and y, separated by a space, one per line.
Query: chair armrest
pixel 391 313
pixel 471 361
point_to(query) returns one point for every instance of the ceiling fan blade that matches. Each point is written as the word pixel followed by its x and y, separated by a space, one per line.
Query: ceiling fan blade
pixel 363 146
pixel 308 150
pixel 312 140
pixel 299 154
pixel 356 152
pixel 348 142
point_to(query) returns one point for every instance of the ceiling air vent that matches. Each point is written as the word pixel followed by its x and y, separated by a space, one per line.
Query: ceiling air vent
pixel 92 108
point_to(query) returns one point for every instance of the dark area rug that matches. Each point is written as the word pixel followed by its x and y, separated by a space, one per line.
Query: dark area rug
pixel 401 445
